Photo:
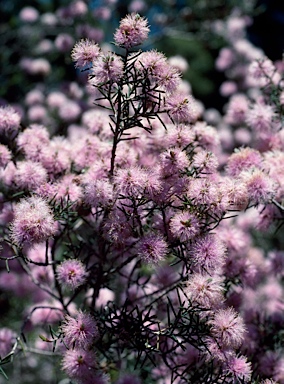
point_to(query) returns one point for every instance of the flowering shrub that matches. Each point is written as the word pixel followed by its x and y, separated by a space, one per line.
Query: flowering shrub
pixel 131 233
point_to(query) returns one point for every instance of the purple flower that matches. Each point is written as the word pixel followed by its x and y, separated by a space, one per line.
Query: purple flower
pixel 33 222
pixel 239 368
pixel 228 328
pixel 71 273
pixel 79 364
pixel 80 331
pixel 133 30
pixel 106 68
pixel 85 52
pixel 9 120
pixel 185 226
pixel 152 248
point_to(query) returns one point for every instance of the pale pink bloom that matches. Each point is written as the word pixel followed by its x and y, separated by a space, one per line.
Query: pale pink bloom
pixel 181 108
pixel 9 120
pixel 261 187
pixel 103 13
pixel 68 190
pixel 173 161
pixel 137 6
pixel 56 99
pixel 185 226
pixel 107 68
pixel 29 14
pixel 205 291
pixel 225 59
pixel 85 52
pixel 29 175
pixel 34 97
pixel 99 193
pixel 64 42
pixel 239 368
pixel 79 331
pixel 206 136
pixel 228 88
pixel 33 221
pixel 152 248
pixel 49 19
pixel 202 191
pixel 179 62
pixel 69 111
pixel 205 162
pixel 7 174
pixel 133 30
pixel 44 46
pixel 79 364
pixel 179 136
pixel 216 351
pixel 71 273
pixel 228 327
pixel 208 253
pixel 78 8
pixel 237 109
pixel 37 114
pixel 262 69
pixel 5 155
pixel 260 117
pixel 131 181
pixel 39 66
pixel 32 141
pixel 243 159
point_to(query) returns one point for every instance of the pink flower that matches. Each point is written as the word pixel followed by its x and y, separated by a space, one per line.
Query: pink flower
pixel 5 155
pixel 261 188
pixel 181 108
pixel 71 273
pixel 205 162
pixel 33 221
pixel 184 226
pixel 29 14
pixel 79 332
pixel 133 30
pixel 237 109
pixel 9 120
pixel 64 42
pixel 33 141
pixel 243 159
pixel 106 68
pixel 29 175
pixel 152 248
pixel 99 193
pixel 79 364
pixel 208 253
pixel 228 327
pixel 260 117
pixel 205 290
pixel 85 52
pixel 239 368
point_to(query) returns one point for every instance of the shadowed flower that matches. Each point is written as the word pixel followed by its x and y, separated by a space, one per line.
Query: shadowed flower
pixel 152 248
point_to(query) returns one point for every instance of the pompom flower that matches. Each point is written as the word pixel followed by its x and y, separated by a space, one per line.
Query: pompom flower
pixel 9 120
pixel 133 30
pixel 185 226
pixel 85 52
pixel 79 332
pixel 107 68
pixel 33 221
pixel 239 368
pixel 152 248
pixel 71 273
pixel 228 327
pixel 79 364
